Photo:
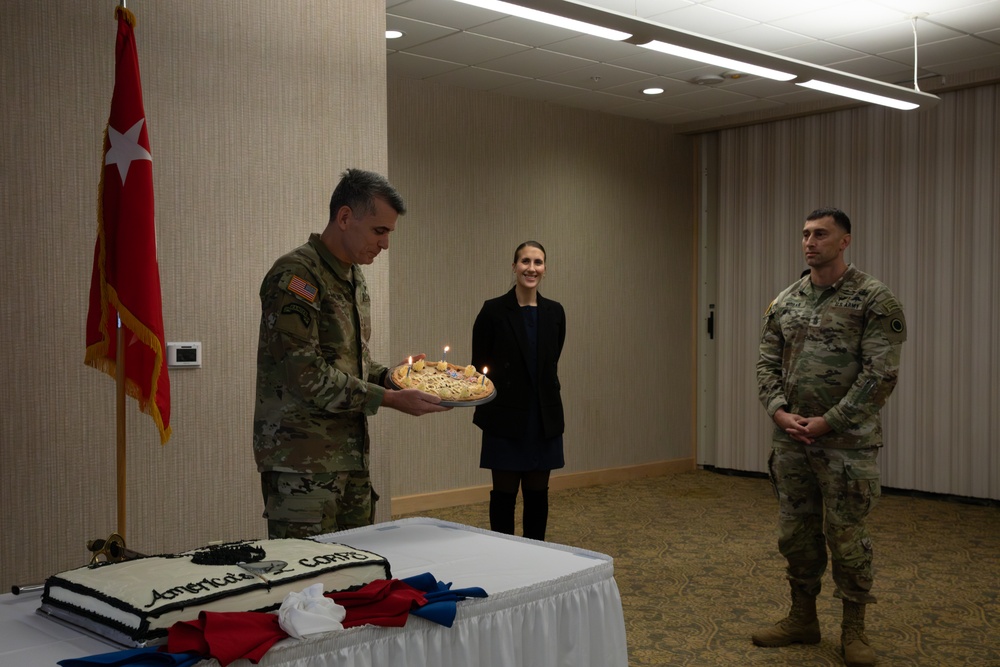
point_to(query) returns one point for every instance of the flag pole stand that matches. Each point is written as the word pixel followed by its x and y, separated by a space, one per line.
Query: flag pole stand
pixel 113 548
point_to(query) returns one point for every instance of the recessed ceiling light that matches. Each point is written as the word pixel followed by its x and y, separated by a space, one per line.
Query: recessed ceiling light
pixel 652 91
pixel 394 34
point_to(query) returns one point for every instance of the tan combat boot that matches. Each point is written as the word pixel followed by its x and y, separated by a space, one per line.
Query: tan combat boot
pixel 857 651
pixel 799 626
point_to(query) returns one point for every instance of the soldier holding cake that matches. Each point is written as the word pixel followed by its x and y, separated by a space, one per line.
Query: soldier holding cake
pixel 316 381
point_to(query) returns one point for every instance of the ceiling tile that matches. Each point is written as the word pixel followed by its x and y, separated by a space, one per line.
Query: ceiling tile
pixel 416 67
pixel 593 48
pixel 702 19
pixel 467 48
pixel 947 51
pixel 536 89
pixel 732 108
pixel 840 19
pixel 961 66
pixel 896 36
pixel 990 35
pixel 642 8
pixel 969 19
pixel 765 37
pixel 768 10
pixel 598 76
pixel 874 67
pixel 820 53
pixel 596 101
pixel 535 63
pixel 707 98
pixel 475 78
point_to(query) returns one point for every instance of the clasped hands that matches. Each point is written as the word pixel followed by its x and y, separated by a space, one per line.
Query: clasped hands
pixel 801 429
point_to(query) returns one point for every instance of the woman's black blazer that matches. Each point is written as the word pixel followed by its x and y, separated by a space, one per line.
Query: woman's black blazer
pixel 500 343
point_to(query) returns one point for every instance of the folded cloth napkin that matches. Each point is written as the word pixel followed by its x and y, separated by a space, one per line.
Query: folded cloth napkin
pixel 385 602
pixel 442 600
pixel 136 657
pixel 227 636
pixel 308 613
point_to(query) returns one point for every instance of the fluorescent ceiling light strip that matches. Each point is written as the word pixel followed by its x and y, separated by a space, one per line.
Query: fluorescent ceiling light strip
pixel 551 19
pixel 858 95
pixel 712 59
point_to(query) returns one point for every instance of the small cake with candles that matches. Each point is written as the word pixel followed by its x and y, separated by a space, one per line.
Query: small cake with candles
pixel 456 385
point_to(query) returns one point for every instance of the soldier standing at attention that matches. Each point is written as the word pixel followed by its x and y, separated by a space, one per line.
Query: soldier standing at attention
pixel 829 358
pixel 316 382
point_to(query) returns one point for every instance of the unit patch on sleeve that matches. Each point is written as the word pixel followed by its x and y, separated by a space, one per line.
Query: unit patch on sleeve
pixel 297 309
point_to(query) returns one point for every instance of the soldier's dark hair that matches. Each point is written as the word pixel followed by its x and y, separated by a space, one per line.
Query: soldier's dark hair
pixel 359 188
pixel 839 217
pixel 533 244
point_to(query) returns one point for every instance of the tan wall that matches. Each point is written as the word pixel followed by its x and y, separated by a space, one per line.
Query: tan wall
pixel 253 109
pixel 611 200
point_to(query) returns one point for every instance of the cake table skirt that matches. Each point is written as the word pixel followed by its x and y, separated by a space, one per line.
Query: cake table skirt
pixel 548 605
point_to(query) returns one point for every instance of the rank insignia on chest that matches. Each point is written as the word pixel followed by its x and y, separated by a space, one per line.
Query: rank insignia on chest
pixel 302 288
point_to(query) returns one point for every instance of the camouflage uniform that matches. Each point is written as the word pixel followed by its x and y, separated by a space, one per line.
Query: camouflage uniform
pixel 831 352
pixel 316 386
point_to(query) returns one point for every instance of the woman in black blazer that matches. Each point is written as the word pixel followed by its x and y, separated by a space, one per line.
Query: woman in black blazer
pixel 519 337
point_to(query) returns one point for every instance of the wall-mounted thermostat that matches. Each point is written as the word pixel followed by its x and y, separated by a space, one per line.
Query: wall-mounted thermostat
pixel 183 355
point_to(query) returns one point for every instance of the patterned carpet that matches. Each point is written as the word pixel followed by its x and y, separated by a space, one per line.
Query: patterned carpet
pixel 698 569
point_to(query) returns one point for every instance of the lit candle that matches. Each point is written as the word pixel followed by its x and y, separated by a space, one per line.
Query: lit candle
pixel 444 357
pixel 409 367
pixel 483 382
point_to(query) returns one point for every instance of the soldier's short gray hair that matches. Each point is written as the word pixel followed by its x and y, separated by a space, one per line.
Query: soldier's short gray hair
pixel 359 188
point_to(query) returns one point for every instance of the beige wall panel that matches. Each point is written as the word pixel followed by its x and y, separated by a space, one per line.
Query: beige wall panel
pixel 921 190
pixel 611 201
pixel 253 110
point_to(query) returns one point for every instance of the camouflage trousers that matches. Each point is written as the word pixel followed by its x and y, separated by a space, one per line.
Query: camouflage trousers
pixel 824 498
pixel 308 504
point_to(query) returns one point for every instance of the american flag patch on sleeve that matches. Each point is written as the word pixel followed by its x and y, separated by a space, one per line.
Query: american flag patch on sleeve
pixel 304 289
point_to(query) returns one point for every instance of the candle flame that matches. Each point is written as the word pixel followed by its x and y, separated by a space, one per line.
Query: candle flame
pixel 411 361
pixel 446 348
pixel 485 369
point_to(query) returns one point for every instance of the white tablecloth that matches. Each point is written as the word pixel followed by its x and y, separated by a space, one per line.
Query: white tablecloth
pixel 548 606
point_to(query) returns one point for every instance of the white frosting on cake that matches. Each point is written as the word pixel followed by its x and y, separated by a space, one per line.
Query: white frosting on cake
pixel 142 598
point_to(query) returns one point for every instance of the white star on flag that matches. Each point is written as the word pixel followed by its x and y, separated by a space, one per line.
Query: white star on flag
pixel 125 148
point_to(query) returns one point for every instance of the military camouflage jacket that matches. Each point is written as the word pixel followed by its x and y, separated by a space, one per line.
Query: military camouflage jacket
pixel 832 352
pixel 316 382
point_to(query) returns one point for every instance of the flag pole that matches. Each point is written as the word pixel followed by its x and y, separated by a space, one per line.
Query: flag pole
pixel 121 475
pixel 120 411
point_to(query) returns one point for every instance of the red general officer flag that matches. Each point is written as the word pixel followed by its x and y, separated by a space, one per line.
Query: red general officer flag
pixel 126 278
